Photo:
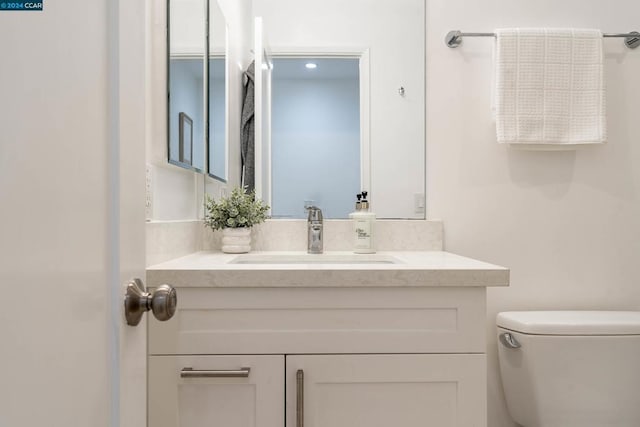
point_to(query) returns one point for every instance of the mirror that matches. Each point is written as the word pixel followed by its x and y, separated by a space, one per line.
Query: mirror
pixel 217 157
pixel 387 38
pixel 186 46
pixel 197 105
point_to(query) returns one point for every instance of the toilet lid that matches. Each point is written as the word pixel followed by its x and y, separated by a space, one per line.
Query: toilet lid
pixel 571 322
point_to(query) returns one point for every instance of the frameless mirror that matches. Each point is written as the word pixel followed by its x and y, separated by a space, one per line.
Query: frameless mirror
pixel 387 38
pixel 217 156
pixel 186 46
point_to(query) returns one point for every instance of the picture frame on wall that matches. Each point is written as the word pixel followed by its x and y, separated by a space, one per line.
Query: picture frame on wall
pixel 185 130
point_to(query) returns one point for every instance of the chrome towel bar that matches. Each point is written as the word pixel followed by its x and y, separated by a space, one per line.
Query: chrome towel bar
pixel 454 38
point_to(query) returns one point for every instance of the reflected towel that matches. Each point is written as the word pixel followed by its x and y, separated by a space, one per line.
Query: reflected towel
pixel 247 136
pixel 549 87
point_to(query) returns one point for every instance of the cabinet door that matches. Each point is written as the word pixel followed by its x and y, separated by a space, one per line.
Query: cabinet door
pixel 430 390
pixel 217 392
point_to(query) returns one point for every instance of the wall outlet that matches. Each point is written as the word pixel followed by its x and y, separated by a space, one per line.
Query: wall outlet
pixel 418 203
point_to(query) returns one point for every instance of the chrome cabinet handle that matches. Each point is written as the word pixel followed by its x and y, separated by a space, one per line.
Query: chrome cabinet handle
pixel 509 340
pixel 300 398
pixel 198 373
pixel 138 301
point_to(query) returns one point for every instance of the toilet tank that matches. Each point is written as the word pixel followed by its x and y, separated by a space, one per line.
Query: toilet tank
pixel 572 369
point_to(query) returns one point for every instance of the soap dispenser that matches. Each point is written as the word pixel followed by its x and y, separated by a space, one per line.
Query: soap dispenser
pixel 363 226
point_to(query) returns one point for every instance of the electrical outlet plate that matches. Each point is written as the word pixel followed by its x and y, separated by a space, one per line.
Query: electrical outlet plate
pixel 418 202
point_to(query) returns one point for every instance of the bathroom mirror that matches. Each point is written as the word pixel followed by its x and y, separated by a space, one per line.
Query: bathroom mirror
pixel 217 157
pixel 387 39
pixel 186 47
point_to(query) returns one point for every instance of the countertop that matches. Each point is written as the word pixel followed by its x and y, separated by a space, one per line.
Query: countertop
pixel 414 269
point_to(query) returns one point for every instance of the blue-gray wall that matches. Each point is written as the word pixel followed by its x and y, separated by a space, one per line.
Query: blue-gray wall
pixel 315 145
pixel 186 96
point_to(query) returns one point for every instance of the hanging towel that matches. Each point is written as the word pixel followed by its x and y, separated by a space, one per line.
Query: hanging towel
pixel 248 131
pixel 549 87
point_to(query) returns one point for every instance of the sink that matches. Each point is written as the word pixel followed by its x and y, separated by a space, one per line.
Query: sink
pixel 315 259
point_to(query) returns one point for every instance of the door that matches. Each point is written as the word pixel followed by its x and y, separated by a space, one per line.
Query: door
pixel 71 213
pixel 216 391
pixel 409 390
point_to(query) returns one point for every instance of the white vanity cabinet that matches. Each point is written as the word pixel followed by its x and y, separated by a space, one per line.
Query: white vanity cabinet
pixel 326 346
pixel 370 357
pixel 412 390
pixel 225 391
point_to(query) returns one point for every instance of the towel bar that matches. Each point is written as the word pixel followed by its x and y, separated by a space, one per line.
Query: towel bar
pixel 454 38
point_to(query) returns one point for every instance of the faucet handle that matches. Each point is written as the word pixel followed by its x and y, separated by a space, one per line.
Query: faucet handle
pixel 315 214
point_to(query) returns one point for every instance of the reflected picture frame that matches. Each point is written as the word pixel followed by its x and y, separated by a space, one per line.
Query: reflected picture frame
pixel 185 132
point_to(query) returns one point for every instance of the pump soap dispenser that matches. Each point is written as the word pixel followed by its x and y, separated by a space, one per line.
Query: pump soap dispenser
pixel 363 226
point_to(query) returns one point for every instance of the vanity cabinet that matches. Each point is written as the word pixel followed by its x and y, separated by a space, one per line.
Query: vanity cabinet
pixel 368 356
pixel 217 393
pixel 409 390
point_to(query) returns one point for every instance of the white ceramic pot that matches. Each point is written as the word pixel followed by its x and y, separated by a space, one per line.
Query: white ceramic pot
pixel 236 240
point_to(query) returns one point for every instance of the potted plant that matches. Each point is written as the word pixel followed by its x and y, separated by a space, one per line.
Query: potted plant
pixel 235 215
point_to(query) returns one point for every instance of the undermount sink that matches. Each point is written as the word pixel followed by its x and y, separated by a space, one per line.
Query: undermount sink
pixel 315 259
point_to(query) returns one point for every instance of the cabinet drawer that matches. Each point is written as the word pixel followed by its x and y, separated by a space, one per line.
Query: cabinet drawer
pixel 323 320
pixel 213 399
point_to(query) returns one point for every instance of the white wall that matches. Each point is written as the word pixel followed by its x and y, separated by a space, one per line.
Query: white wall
pixel 174 191
pixel 566 223
pixel 315 145
pixel 393 31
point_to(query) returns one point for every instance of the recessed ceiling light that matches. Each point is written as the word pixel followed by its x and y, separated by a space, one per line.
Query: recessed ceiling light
pixel 310 65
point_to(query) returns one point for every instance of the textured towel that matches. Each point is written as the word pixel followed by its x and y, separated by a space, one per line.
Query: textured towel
pixel 549 87
pixel 247 136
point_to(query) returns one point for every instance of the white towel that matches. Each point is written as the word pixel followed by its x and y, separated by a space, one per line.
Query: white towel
pixel 549 87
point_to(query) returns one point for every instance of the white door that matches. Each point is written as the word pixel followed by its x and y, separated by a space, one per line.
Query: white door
pixel 216 391
pixel 72 106
pixel 404 390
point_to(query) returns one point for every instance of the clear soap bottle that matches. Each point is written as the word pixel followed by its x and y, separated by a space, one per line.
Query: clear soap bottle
pixel 363 226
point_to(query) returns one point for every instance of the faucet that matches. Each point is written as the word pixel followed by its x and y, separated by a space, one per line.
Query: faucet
pixel 314 230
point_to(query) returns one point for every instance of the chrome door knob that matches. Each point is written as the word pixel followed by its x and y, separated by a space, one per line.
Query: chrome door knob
pixel 163 302
pixel 137 301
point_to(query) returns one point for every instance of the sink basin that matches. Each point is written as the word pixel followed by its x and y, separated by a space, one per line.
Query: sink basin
pixel 315 259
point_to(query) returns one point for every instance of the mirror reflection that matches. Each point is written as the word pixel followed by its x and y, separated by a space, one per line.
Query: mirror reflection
pixel 392 106
pixel 217 156
pixel 217 166
pixel 186 68
pixel 315 135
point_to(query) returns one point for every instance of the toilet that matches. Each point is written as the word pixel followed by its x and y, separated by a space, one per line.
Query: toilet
pixel 571 368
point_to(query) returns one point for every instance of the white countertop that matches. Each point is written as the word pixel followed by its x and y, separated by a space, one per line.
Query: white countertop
pixel 415 269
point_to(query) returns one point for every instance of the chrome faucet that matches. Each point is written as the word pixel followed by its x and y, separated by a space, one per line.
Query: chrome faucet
pixel 314 230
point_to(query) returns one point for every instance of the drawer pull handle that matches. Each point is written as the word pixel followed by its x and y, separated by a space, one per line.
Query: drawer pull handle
pixel 300 398
pixel 197 373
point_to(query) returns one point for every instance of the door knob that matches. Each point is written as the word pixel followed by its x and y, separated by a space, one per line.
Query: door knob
pixel 137 301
